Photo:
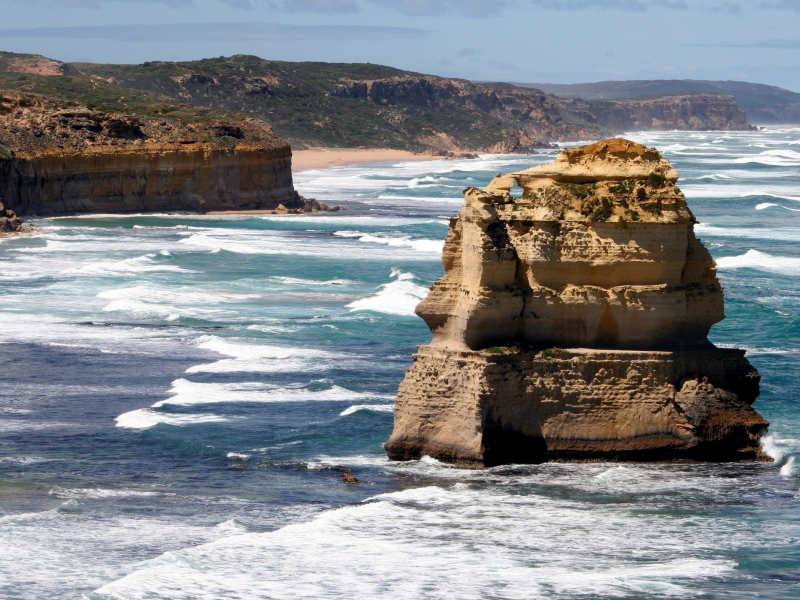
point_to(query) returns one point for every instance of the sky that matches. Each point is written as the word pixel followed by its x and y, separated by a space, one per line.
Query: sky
pixel 531 41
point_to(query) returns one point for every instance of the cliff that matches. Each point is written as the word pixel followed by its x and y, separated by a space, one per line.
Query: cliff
pixel 761 103
pixel 56 160
pixel 571 324
pixel 692 112
pixel 362 105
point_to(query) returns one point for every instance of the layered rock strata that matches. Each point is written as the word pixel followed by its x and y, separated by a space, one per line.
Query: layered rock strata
pixel 572 322
pixel 60 161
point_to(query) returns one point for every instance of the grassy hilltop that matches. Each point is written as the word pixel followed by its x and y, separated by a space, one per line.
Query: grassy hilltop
pixel 355 105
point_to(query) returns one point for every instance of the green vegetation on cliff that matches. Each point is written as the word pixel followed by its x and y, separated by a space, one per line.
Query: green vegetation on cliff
pixel 353 105
pixel 762 103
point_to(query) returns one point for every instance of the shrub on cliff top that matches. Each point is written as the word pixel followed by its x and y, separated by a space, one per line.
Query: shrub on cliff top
pixel 553 353
pixel 5 152
pixel 502 350
pixel 656 180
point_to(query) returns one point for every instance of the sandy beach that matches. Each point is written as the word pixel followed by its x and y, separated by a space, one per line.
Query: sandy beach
pixel 320 158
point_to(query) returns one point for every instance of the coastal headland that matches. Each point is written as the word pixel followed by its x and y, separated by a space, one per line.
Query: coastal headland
pixel 572 322
pixel 78 160
pixel 223 135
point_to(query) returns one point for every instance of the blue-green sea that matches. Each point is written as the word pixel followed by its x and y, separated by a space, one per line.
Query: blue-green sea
pixel 180 396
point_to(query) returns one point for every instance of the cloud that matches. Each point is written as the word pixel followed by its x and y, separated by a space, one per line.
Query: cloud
pixel 98 3
pixel 183 32
pixel 314 6
pixel 783 5
pixel 765 44
pixel 317 6
pixel 467 8
pixel 729 7
pixel 624 5
pixel 469 52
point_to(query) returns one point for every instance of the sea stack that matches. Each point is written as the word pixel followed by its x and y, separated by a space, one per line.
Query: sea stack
pixel 572 324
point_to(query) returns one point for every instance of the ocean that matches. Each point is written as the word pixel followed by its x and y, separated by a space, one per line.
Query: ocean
pixel 181 395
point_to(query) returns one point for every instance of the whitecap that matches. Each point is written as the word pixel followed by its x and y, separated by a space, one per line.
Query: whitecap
pixel 187 393
pixel 782 158
pixel 458 542
pixel 775 447
pixel 421 245
pixel 145 418
pixel 764 205
pixel 399 297
pixel 756 233
pixel 373 407
pixel 98 493
pixel 233 526
pixel 253 358
pixel 237 455
pixel 753 259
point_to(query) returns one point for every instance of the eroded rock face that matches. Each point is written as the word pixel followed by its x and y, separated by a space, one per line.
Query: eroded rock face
pixel 9 221
pixel 598 255
pixel 64 161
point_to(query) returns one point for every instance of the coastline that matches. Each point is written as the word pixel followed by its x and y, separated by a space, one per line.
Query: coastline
pixel 322 158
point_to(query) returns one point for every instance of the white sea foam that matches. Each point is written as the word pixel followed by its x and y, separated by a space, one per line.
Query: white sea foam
pixel 288 243
pixel 25 460
pixel 145 418
pixel 98 493
pixel 139 264
pixel 782 158
pixel 400 297
pixel 186 393
pixel 790 468
pixel 374 407
pixel 313 282
pixel 775 447
pixel 757 233
pixel 764 205
pixel 233 526
pixel 237 455
pixel 457 542
pixel 422 245
pixel 753 259
pixel 249 358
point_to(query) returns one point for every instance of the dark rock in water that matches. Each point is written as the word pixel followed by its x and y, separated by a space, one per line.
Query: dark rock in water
pixel 311 205
pixel 572 322
pixel 9 221
pixel 348 478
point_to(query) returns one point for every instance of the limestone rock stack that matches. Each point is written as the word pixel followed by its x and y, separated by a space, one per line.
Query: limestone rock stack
pixel 572 322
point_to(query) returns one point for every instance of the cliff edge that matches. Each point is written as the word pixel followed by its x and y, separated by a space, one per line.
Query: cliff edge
pixel 57 160
pixel 572 322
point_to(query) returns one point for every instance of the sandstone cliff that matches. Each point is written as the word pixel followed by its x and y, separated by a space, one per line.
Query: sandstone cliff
pixel 531 117
pixel 693 112
pixel 76 160
pixel 572 323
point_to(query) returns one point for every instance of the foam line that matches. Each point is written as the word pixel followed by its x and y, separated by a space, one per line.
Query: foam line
pixel 399 297
pixel 753 259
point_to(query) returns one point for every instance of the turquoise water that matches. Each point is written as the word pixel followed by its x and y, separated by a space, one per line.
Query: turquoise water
pixel 181 395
